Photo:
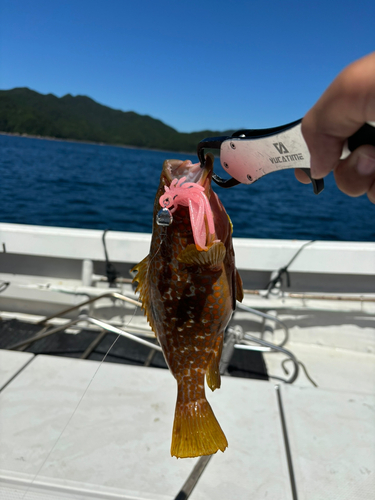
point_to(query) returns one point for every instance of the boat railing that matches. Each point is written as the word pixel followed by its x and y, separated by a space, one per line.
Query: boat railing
pixel 83 317
pixel 235 337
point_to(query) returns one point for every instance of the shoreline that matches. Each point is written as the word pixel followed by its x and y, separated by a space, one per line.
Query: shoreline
pixel 78 141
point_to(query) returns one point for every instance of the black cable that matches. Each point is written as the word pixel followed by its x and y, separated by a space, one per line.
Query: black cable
pixel 110 269
pixel 4 285
pixel 284 270
pixel 304 369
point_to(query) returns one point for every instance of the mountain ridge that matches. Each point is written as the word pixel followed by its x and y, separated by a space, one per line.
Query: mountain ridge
pixel 81 118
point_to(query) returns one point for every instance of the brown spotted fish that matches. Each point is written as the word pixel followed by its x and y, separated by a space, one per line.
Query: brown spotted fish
pixel 188 286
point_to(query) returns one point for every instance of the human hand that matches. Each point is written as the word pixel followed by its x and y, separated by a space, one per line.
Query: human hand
pixel 344 107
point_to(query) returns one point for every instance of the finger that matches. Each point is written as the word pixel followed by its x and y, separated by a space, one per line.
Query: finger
pixel 355 175
pixel 301 176
pixel 325 149
pixel 343 108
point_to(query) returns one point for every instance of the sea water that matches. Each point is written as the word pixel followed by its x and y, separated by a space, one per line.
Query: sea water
pixel 70 184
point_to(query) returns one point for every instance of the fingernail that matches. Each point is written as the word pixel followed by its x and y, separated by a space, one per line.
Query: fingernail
pixel 316 170
pixel 365 165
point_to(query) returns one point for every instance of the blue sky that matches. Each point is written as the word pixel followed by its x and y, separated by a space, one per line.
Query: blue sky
pixel 194 65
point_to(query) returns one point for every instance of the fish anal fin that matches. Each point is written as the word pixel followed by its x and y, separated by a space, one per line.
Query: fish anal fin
pixel 213 257
pixel 213 371
pixel 196 431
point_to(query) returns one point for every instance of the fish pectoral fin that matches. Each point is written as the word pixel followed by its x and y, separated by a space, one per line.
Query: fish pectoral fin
pixel 196 431
pixel 239 288
pixel 214 256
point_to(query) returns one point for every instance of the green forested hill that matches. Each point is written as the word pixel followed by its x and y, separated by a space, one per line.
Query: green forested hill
pixel 24 111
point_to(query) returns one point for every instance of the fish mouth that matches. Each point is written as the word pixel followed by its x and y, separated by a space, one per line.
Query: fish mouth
pixel 177 169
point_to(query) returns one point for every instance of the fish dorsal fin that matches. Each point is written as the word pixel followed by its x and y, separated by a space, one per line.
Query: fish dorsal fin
pixel 141 268
pixel 143 287
pixel 214 256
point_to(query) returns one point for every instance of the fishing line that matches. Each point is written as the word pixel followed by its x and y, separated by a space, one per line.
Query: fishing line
pixel 163 237
pixel 76 408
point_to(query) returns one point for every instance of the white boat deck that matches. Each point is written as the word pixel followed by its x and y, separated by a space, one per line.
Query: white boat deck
pixel 332 443
pixel 11 363
pixel 116 443
pixel 71 430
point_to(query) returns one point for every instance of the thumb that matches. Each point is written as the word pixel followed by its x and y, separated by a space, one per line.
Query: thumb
pixel 356 174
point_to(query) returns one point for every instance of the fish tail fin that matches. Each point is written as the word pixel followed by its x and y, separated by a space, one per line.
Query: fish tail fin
pixel 196 431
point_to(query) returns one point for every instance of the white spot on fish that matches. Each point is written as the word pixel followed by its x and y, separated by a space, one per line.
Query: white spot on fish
pixel 192 291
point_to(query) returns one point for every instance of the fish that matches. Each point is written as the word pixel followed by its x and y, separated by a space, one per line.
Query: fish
pixel 188 285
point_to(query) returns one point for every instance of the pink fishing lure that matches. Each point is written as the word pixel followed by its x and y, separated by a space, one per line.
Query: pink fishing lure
pixel 190 194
